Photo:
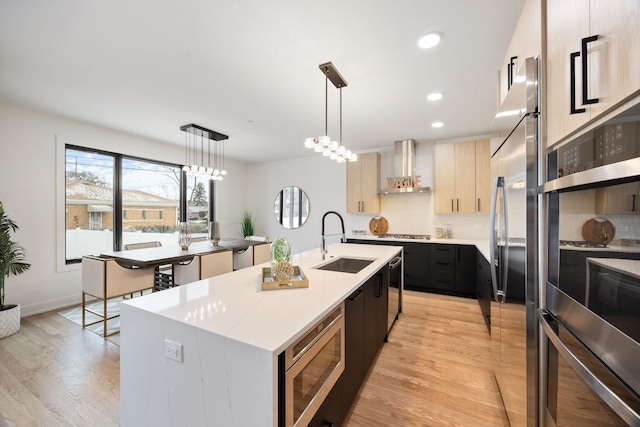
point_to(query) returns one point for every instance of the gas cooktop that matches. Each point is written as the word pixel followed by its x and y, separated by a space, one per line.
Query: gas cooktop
pixel 582 244
pixel 406 236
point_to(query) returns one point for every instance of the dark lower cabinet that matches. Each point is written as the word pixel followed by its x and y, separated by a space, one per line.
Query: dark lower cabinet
pixel 376 298
pixel 484 291
pixel 453 270
pixel 354 369
pixel 436 267
pixel 416 266
pixel 330 413
pixel 465 271
pixel 443 268
pixel 573 269
pixel 365 332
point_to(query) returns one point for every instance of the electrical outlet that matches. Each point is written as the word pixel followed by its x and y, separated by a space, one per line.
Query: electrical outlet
pixel 173 350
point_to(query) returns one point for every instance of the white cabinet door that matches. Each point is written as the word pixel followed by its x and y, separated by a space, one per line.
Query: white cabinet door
pixel 567 24
pixel 615 56
pixel 613 63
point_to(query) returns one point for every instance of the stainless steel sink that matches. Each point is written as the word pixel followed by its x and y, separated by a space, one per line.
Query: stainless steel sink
pixel 345 265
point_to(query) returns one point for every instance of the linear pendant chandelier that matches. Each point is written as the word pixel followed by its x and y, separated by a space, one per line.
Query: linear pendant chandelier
pixel 196 162
pixel 323 144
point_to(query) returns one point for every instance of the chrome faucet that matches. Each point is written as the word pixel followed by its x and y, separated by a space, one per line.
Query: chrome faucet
pixel 324 243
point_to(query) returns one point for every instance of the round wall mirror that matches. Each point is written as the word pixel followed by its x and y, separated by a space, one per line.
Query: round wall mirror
pixel 291 207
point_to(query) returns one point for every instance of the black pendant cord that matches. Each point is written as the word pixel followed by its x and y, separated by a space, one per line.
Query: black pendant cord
pixel 326 101
pixel 340 115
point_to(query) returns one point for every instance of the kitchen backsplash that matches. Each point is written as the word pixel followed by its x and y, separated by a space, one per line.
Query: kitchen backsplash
pixel 414 214
pixel 578 207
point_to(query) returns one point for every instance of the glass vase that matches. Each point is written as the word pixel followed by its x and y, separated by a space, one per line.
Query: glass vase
pixel 281 268
pixel 184 235
pixel 214 232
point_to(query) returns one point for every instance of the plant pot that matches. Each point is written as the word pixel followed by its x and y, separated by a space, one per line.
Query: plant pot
pixel 9 320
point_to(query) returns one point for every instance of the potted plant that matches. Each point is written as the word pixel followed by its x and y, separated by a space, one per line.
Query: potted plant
pixel 247 224
pixel 281 268
pixel 12 258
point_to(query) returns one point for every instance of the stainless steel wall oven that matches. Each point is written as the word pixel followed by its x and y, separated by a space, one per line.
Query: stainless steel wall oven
pixel 590 314
pixel 309 369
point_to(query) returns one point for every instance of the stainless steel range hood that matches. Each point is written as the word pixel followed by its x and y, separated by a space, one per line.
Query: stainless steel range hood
pixel 404 180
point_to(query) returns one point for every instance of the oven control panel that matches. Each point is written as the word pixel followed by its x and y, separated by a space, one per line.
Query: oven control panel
pixel 604 145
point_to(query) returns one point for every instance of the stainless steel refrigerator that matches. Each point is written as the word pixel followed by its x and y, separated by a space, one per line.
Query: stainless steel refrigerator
pixel 513 251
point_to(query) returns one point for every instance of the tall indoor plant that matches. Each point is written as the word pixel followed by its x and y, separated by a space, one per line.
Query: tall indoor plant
pixel 12 261
pixel 247 224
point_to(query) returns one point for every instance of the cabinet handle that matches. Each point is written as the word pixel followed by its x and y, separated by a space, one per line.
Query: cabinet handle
pixel 379 285
pixel 585 76
pixel 633 203
pixel 354 296
pixel 452 205
pixel 585 71
pixel 510 67
pixel 457 205
pixel 363 206
pixel 478 204
pixel 572 93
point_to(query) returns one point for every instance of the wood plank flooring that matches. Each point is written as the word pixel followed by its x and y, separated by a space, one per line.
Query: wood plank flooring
pixel 54 373
pixel 434 371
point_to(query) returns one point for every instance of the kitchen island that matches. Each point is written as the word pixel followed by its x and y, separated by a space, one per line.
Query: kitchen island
pixel 226 334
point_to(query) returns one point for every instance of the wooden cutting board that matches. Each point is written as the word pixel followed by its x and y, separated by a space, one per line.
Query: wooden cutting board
pixel 598 230
pixel 378 225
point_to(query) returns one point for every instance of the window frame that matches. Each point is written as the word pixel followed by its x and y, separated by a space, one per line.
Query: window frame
pixel 64 264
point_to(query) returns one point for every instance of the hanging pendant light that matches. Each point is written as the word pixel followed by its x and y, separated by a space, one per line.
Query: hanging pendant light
pixel 323 144
pixel 195 166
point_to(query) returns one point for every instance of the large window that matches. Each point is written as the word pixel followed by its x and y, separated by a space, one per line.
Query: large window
pixel 198 205
pixel 89 184
pixel 112 200
pixel 151 200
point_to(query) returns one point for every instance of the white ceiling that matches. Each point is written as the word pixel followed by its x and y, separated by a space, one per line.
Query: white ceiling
pixel 249 68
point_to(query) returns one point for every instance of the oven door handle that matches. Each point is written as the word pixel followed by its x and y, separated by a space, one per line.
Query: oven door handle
pixel 395 263
pixel 618 405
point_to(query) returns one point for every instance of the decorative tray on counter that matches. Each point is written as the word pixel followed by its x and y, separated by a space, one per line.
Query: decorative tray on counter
pixel 298 280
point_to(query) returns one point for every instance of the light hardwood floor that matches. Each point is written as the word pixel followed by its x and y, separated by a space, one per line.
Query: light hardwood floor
pixel 434 371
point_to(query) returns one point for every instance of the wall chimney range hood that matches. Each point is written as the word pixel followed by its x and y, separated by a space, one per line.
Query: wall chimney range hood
pixel 404 180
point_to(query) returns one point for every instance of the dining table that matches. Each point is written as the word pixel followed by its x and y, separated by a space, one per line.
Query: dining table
pixel 174 254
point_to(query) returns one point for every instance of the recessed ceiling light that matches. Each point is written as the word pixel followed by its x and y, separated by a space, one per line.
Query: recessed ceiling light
pixel 437 124
pixel 429 40
pixel 435 96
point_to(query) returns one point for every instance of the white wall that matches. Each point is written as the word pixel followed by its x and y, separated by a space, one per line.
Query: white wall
pixel 322 179
pixel 31 179
pixel 325 184
pixel 28 173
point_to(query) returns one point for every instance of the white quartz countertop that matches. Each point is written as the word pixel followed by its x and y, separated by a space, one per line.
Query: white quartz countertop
pixel 234 306
pixel 481 245
pixel 629 267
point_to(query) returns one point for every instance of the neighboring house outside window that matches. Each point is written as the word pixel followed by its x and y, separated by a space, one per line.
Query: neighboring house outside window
pixel 90 206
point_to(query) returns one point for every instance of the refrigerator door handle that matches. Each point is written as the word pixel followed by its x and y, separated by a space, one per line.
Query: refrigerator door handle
pixel 505 261
pixel 493 241
pixel 618 405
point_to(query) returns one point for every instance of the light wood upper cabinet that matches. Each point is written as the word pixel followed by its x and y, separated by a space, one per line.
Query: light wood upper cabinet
pixel 363 182
pixel 461 176
pixel 618 199
pixel 526 42
pixel 464 182
pixel 612 61
pixel 483 177
pixel 615 69
pixel 444 177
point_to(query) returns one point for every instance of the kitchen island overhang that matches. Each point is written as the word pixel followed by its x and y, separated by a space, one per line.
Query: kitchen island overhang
pixel 231 333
